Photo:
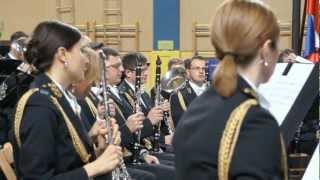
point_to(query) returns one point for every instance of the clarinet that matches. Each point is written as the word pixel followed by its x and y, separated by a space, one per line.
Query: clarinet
pixel 121 172
pixel 297 139
pixel 166 121
pixel 156 143
pixel 137 108
pixel 207 74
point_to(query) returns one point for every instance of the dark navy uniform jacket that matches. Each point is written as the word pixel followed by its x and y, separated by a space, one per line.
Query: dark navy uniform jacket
pixel 47 150
pixel 175 105
pixel 257 153
pixel 124 88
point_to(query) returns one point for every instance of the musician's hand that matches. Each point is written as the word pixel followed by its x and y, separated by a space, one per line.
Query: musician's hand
pixel 101 110
pixel 165 106
pixel 116 134
pixel 111 109
pixel 135 122
pixel 168 139
pixel 100 145
pixel 106 162
pixel 149 159
pixel 98 128
pixel 155 115
pixel 101 141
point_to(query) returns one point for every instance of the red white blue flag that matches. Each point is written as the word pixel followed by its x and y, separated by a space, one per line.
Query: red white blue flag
pixel 311 49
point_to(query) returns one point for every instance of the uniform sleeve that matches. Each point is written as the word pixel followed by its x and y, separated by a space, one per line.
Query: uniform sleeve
pixel 126 136
pixel 258 150
pixel 176 110
pixel 147 129
pixel 37 153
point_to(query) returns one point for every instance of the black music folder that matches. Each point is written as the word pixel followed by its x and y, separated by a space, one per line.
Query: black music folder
pixel 8 67
pixel 13 82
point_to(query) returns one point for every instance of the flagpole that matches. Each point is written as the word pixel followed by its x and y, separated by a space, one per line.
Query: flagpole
pixel 303 25
pixel 296 7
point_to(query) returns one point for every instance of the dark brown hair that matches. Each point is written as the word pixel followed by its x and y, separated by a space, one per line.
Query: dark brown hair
pixel 47 37
pixel 130 60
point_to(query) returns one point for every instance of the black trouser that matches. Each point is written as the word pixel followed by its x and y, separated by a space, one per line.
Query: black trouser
pixel 162 172
pixel 139 174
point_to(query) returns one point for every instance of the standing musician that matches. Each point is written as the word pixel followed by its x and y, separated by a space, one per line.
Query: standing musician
pixel 244 140
pixel 130 122
pixel 154 114
pixel 49 137
pixel 193 87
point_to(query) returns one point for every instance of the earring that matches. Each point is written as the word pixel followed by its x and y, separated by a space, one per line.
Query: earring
pixel 66 64
pixel 265 63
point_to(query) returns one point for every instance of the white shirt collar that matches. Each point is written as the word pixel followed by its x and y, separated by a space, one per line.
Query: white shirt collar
pixel 198 89
pixel 262 100
pixel 72 100
pixel 130 84
pixel 11 56
pixel 133 88
pixel 114 90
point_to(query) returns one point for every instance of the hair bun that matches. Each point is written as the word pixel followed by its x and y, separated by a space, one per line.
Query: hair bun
pixel 32 53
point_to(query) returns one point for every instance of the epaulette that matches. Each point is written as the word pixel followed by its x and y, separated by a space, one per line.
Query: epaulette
pixel 250 92
pixel 53 88
pixel 45 92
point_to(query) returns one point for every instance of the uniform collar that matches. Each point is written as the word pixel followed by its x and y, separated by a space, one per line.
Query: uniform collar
pixel 12 56
pixel 114 90
pixel 262 100
pixel 130 85
pixel 72 100
pixel 197 89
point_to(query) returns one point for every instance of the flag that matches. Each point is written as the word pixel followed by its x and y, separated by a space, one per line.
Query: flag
pixel 313 28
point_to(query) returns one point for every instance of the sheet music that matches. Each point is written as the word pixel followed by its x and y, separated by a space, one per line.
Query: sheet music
pixel 281 91
pixel 312 171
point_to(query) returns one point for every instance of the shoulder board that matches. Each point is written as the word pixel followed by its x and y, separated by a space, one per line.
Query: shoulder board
pixel 53 88
pixel 250 92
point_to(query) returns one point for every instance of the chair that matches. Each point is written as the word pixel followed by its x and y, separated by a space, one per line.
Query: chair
pixel 6 159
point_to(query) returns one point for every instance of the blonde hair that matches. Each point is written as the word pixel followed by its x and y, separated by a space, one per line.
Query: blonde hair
pixel 93 73
pixel 239 29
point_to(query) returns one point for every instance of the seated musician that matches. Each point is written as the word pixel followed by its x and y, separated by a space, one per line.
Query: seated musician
pixel 243 139
pixel 130 122
pixel 94 109
pixel 193 87
pixel 174 63
pixel 155 114
pixel 49 138
pixel 17 41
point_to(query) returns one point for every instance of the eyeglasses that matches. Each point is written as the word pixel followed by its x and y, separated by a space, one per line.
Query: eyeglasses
pixel 142 69
pixel 116 65
pixel 199 68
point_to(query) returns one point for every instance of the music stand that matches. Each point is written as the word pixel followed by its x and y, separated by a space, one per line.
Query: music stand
pixel 4 49
pixel 7 67
pixel 13 83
